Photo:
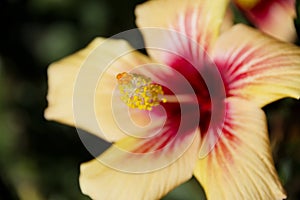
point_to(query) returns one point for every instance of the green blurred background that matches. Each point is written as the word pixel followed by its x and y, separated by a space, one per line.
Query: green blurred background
pixel 40 159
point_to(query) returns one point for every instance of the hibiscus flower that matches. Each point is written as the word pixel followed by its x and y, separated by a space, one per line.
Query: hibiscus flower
pixel 191 107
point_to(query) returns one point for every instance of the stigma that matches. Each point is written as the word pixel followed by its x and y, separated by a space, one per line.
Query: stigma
pixel 138 91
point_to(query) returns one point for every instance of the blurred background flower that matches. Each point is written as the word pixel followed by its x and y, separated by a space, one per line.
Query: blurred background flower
pixel 40 159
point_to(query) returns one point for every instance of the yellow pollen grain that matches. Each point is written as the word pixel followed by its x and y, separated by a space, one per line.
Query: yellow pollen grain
pixel 138 91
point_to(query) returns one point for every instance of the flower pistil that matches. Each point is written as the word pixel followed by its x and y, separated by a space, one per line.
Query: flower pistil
pixel 138 91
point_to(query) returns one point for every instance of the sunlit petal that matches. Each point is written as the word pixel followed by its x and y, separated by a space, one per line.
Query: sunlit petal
pixel 257 67
pixel 240 166
pixel 100 181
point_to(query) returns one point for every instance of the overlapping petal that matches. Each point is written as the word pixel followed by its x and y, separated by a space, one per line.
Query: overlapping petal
pixel 275 17
pixel 197 20
pixel 240 166
pixel 100 181
pixel 82 86
pixel 256 67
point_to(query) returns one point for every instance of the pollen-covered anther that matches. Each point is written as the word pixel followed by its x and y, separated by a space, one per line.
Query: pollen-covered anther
pixel 138 91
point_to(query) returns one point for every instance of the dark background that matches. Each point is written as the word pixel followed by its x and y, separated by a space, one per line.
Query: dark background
pixel 40 159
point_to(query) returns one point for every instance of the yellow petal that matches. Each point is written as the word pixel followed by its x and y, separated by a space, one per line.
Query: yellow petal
pixel 275 17
pixel 197 20
pixel 240 166
pixel 228 20
pixel 257 67
pixel 61 80
pixel 132 179
pixel 82 87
